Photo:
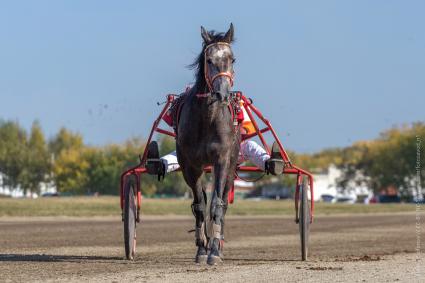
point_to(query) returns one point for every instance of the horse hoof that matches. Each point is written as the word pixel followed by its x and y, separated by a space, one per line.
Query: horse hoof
pixel 214 260
pixel 201 258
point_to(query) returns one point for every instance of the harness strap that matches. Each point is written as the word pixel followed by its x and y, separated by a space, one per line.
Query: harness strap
pixel 222 74
pixel 203 95
pixel 233 107
pixel 180 102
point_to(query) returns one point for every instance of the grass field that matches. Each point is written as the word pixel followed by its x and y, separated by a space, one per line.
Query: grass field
pixel 109 206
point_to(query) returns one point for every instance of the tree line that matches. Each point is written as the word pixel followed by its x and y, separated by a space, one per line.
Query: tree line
pixel 395 159
pixel 28 159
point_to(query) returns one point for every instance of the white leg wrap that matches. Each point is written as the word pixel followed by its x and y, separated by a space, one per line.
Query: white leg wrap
pixel 170 161
pixel 252 151
pixel 216 231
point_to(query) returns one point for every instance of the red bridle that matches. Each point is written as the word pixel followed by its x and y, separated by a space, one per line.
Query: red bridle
pixel 209 80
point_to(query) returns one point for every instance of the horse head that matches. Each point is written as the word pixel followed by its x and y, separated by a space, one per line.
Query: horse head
pixel 218 63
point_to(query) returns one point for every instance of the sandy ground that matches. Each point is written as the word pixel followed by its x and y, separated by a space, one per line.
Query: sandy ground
pixel 360 248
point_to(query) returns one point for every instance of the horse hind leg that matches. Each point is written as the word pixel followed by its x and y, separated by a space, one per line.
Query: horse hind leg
pixel 228 186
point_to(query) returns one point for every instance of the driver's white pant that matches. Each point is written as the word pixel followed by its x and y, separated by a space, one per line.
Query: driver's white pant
pixel 170 161
pixel 250 150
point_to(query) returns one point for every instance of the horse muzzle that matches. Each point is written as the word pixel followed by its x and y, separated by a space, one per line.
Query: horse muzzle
pixel 222 96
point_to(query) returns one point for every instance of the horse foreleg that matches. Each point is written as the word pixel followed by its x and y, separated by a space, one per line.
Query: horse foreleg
pixel 218 208
pixel 193 179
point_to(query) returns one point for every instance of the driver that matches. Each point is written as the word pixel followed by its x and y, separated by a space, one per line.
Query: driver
pixel 249 151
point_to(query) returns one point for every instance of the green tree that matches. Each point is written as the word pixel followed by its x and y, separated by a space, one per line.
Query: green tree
pixel 13 151
pixel 173 183
pixel 70 171
pixel 65 140
pixel 36 168
pixel 387 161
pixel 69 166
pixel 105 166
pixel 394 158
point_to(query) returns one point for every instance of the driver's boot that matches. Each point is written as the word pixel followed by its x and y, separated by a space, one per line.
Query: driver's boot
pixel 275 164
pixel 154 165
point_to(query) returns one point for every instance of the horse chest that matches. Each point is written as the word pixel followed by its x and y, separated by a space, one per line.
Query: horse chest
pixel 205 133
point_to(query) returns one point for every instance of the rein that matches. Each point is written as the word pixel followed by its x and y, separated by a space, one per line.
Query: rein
pixel 249 180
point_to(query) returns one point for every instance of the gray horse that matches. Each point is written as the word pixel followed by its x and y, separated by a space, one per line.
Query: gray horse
pixel 207 136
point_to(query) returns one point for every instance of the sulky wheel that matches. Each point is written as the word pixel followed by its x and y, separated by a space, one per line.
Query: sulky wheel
pixel 130 212
pixel 304 217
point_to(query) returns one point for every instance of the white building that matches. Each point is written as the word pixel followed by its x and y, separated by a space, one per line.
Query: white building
pixel 325 183
pixel 18 192
pixel 326 187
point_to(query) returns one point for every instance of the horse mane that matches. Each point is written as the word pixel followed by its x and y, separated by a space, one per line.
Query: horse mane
pixel 198 63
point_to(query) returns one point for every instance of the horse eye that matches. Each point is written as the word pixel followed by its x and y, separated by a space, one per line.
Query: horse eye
pixel 209 61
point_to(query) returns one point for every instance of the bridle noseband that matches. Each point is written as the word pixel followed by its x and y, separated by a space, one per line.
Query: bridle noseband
pixel 210 80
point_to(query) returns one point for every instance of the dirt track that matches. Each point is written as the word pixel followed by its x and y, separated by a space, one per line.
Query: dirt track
pixel 343 248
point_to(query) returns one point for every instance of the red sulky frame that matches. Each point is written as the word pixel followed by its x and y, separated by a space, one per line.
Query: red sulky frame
pixel 290 168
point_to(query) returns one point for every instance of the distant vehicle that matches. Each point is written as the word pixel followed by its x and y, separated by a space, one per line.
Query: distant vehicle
pixel 273 191
pixel 385 199
pixel 389 199
pixel 50 195
pixel 346 199
pixel 328 198
pixel 255 198
pixel 373 199
pixel 416 200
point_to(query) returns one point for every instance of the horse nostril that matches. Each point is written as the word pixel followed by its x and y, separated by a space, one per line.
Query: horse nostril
pixel 222 97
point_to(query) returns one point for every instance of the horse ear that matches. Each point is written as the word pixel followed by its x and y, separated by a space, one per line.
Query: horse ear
pixel 229 34
pixel 205 35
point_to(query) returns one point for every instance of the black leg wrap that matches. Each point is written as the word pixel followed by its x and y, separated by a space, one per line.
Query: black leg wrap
pixel 198 209
pixel 200 242
pixel 217 209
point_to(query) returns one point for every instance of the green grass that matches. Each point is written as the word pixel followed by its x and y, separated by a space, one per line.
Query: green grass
pixel 109 206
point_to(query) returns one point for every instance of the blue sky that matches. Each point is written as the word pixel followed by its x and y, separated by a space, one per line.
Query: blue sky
pixel 326 73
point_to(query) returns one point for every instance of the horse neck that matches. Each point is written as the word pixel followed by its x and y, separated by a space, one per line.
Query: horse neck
pixel 208 110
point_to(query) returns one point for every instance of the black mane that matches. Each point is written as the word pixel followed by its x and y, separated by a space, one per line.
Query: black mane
pixel 198 64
